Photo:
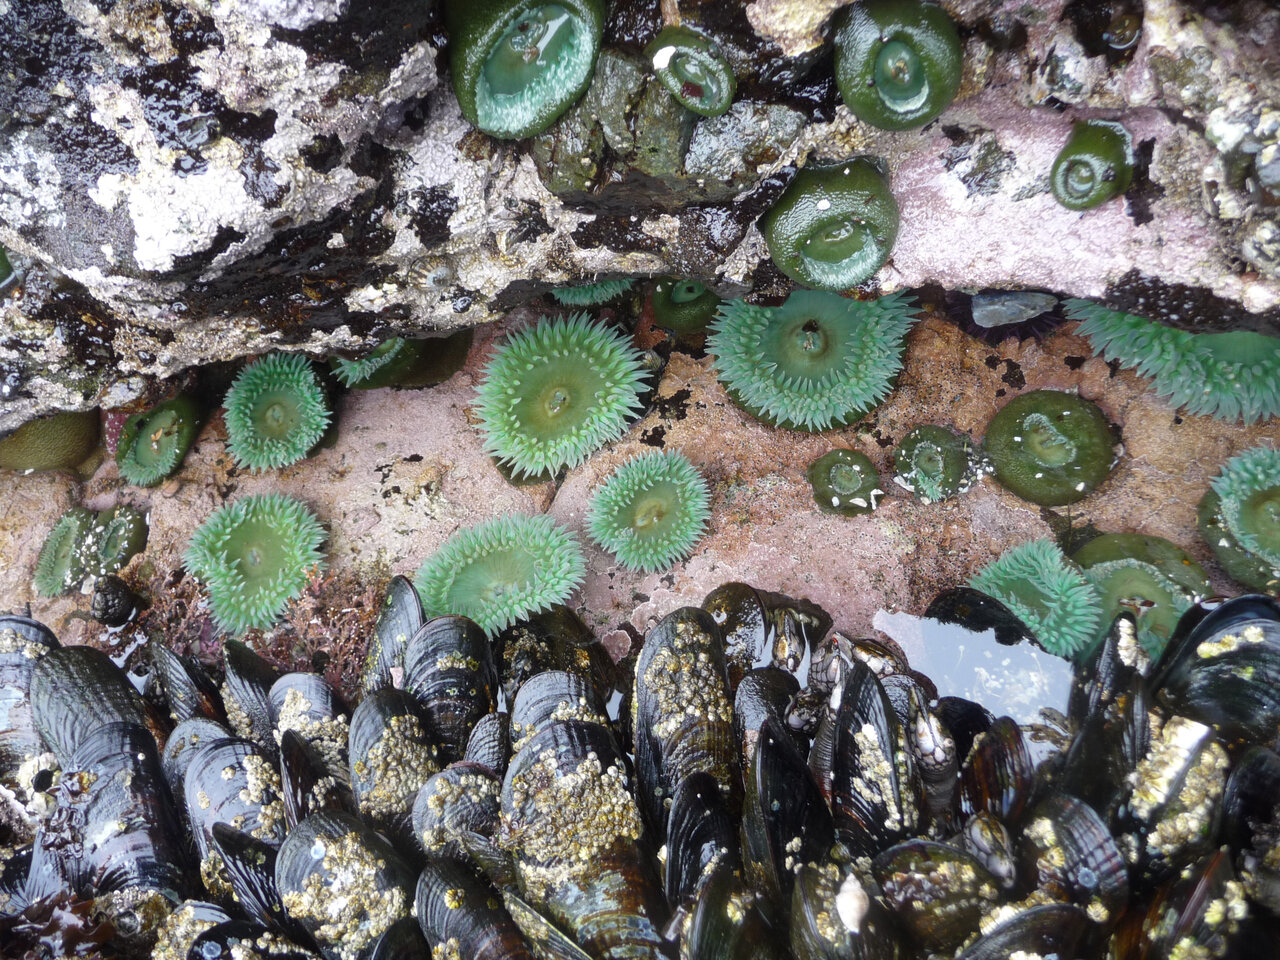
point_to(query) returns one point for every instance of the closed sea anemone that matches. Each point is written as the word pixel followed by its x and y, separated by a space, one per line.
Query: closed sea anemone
pixel 845 482
pixel 651 511
pixel 115 536
pixel 1095 165
pixel 276 412
pixel 399 362
pixel 501 570
pixel 684 307
pixel 693 69
pixel 60 565
pixel 555 392
pixel 59 441
pixel 255 555
pixel 1048 593
pixel 816 362
pixel 592 294
pixel 1239 518
pixel 1231 376
pixel 935 463
pixel 152 444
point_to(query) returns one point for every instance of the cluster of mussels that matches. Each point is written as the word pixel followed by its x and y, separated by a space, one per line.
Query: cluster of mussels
pixel 762 787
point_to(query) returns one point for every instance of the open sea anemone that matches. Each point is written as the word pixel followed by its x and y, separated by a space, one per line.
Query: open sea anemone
pixel 845 482
pixel 592 294
pixel 255 555
pixel 935 463
pixel 693 69
pixel 816 362
pixel 152 444
pixel 500 571
pixel 1231 376
pixel 1239 518
pixel 651 511
pixel 1048 593
pixel 59 441
pixel 60 565
pixel 1095 165
pixel 115 536
pixel 276 412
pixel 554 393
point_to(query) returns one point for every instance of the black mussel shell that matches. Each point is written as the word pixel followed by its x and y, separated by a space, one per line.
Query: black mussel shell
pixel 187 921
pixel 938 893
pixel 985 838
pixel 1051 929
pixel 250 868
pixel 998 775
pixel 834 918
pixel 548 942
pixel 307 706
pixel 242 940
pixel 1251 799
pixel 398 620
pixel 392 753
pixel 76 690
pixel 1108 675
pixel 462 798
pixel 553 639
pixel 113 603
pixel 180 749
pixel 965 722
pixel 23 642
pixel 976 611
pixel 740 614
pixel 701 836
pixel 188 689
pixel 455 905
pixel 552 696
pixel 247 695
pixel 1069 852
pixel 723 923
pixel 448 668
pixel 490 742
pixel 307 781
pixel 765 693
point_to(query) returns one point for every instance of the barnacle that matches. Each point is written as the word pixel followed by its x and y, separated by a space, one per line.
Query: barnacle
pixel 500 571
pixel 554 393
pixel 695 71
pixel 651 511
pixel 683 306
pixel 60 565
pixel 816 362
pixel 1239 518
pixel 1232 376
pixel 114 537
pixel 152 444
pixel 517 65
pixel 845 482
pixel 1095 165
pixel 276 412
pixel 1148 575
pixel 592 294
pixel 1050 447
pixel 60 441
pixel 255 555
pixel 935 463
pixel 898 62
pixel 833 226
pixel 1047 592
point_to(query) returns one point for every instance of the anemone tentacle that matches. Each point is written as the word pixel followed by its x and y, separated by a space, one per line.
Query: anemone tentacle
pixel 592 294
pixel 60 565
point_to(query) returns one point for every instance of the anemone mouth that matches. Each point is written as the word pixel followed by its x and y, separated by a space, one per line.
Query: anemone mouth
pixel 845 482
pixel 651 512
pixel 276 411
pixel 1095 165
pixel 815 362
pixel 60 565
pixel 1249 488
pixel 900 78
pixel 683 306
pixel 116 535
pixel 691 67
pixel 592 294
pixel 500 571
pixel 152 444
pixel 554 393
pixel 1156 601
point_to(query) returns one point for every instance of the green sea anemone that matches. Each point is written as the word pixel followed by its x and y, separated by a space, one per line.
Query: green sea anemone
pixel 651 511
pixel 683 306
pixel 6 269
pixel 1048 593
pixel 592 294
pixel 845 482
pixel 60 565
pixel 554 393
pixel 898 62
pixel 833 226
pixel 1239 518
pixel 517 65
pixel 1146 575
pixel 1050 447
pixel 1231 376
pixel 816 362
pixel 500 571
pixel 115 536
pixel 692 67
pixel 935 463
pixel 255 555
pixel 398 362
pixel 1094 166
pixel 276 412
pixel 152 444
pixel 57 442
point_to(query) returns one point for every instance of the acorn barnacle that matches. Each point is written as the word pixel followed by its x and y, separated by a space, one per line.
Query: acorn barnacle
pixel 501 570
pixel 1095 165
pixel 113 538
pixel 693 69
pixel 255 555
pixel 935 463
pixel 1047 592
pixel 898 62
pixel 1050 447
pixel 684 307
pixel 833 226
pixel 592 294
pixel 1239 518
pixel 555 392
pixel 816 362
pixel 517 65
pixel 152 444
pixel 651 511
pixel 60 565
pixel 60 441
pixel 845 482
pixel 1232 376
pixel 276 412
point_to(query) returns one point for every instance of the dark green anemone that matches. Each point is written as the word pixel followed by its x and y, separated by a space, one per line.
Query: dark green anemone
pixel 556 392
pixel 500 571
pixel 692 67
pixel 276 412
pixel 935 463
pixel 833 226
pixel 683 306
pixel 816 362
pixel 7 274
pixel 399 362
pixel 152 444
pixel 1048 593
pixel 1050 447
pixel 898 62
pixel 517 65
pixel 1239 518
pixel 115 536
pixel 1231 376
pixel 592 294
pixel 59 441
pixel 254 556
pixel 845 482
pixel 60 565
pixel 1148 576
pixel 1094 166
pixel 651 511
